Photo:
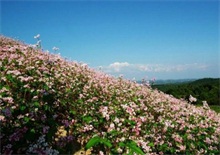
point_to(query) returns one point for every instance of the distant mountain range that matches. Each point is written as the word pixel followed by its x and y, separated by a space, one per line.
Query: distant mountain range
pixel 171 81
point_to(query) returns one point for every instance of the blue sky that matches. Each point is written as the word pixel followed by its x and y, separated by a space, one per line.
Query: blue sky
pixel 139 39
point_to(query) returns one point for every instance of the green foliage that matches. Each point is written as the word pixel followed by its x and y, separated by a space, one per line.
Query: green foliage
pixel 133 148
pixel 206 89
pixel 96 140
pixel 129 144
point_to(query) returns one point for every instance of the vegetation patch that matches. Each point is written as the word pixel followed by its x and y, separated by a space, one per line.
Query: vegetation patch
pixel 53 106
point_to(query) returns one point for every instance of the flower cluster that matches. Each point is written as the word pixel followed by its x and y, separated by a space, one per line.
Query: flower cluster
pixel 42 94
pixel 41 147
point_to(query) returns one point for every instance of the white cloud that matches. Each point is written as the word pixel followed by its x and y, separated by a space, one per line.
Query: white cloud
pixel 120 67
pixel 159 71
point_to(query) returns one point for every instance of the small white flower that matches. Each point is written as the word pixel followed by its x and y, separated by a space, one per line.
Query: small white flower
pixel 116 120
pixel 55 48
pixel 37 36
pixel 192 99
pixel 112 125
pixel 123 139
pixel 119 150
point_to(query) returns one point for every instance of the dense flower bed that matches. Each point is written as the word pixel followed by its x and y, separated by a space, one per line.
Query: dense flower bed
pixel 42 93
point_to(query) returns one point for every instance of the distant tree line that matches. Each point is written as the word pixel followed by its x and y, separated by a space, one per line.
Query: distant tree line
pixel 206 89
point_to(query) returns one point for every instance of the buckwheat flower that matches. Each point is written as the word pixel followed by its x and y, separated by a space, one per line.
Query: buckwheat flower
pixel 35 98
pixel 13 107
pixel 15 72
pixel 119 150
pixel 205 104
pixel 55 48
pixel 87 128
pixel 2 118
pixel 116 120
pixel 101 153
pixel 122 139
pixel 37 36
pixel 143 119
pixel 20 116
pixel 8 99
pixel 182 147
pixel 177 138
pixel 161 153
pixel 208 140
pixel 111 127
pixel 38 42
pixel 192 99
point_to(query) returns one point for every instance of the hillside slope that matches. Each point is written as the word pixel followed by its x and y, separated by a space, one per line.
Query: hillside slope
pixel 43 95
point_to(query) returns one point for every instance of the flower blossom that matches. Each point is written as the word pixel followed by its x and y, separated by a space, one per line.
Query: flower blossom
pixel 55 48
pixel 192 99
pixel 37 36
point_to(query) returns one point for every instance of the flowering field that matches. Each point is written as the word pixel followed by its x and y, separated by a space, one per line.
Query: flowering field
pixel 53 106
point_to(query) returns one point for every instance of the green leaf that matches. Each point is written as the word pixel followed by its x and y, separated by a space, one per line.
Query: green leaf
pixel 36 104
pixel 151 144
pixel 26 119
pixel 32 130
pixel 121 144
pixel 92 142
pixel 72 112
pixel 106 142
pixel 87 119
pixel 22 108
pixel 135 99
pixel 133 146
pixel 132 123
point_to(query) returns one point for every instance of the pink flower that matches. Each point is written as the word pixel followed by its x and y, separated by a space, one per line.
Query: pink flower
pixel 178 139
pixel 208 140
pixel 2 118
pixel 8 99
pixel 182 148
pixel 111 127
pixel 136 130
pixel 87 128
